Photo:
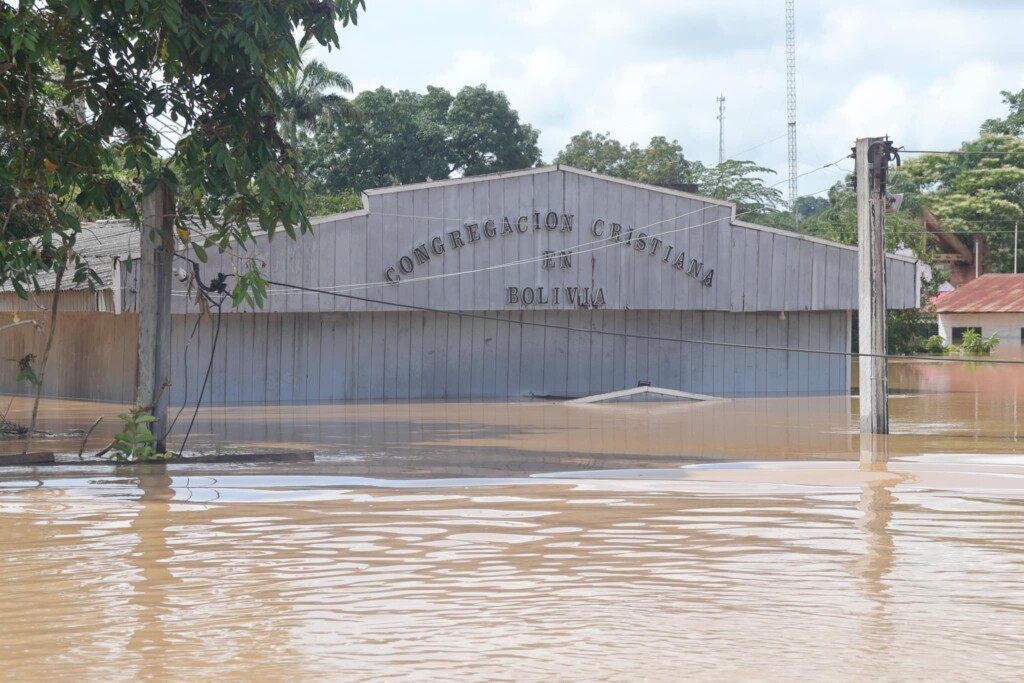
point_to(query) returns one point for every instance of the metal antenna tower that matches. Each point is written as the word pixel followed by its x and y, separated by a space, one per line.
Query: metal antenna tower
pixel 791 104
pixel 721 127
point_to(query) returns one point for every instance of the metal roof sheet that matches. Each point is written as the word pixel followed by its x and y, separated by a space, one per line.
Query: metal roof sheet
pixel 992 293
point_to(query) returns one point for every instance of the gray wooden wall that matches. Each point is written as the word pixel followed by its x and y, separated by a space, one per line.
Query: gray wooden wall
pixel 756 269
pixel 410 355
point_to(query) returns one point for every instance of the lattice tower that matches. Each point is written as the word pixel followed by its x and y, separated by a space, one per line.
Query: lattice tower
pixel 721 127
pixel 791 102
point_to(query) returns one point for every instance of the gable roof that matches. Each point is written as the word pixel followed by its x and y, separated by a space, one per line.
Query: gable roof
pixel 992 293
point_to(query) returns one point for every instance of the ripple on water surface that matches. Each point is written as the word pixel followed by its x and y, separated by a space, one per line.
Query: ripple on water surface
pixel 743 572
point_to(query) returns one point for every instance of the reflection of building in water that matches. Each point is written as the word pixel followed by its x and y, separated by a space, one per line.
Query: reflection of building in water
pixel 543 282
pixel 192 593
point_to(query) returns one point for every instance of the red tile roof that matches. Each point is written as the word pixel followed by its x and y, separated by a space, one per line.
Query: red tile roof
pixel 988 294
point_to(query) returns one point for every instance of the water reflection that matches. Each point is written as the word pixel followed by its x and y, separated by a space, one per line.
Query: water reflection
pixel 587 579
pixel 149 594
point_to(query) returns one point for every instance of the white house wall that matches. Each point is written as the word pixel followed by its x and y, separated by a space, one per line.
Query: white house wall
pixel 1006 326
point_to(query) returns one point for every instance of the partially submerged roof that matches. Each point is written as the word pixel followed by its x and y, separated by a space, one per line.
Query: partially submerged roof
pixel 992 293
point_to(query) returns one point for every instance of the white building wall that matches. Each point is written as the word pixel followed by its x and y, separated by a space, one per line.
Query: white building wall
pixel 1006 326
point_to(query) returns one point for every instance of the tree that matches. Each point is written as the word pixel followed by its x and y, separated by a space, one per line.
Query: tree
pixel 485 135
pixel 304 92
pixel 1013 124
pixel 104 100
pixel 978 190
pixel 405 137
pixel 659 163
pixel 809 206
pixel 597 152
pixel 740 183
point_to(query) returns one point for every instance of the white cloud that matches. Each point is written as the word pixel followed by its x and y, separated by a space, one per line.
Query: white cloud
pixel 928 74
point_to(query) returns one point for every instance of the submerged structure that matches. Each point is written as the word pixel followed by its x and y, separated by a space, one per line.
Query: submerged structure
pixel 547 282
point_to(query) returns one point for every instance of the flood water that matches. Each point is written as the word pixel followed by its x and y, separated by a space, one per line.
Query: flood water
pixel 729 541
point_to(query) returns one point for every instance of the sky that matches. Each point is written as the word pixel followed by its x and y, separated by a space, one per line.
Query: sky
pixel 925 72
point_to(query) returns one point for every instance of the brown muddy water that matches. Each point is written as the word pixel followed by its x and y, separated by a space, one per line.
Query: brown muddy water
pixel 728 541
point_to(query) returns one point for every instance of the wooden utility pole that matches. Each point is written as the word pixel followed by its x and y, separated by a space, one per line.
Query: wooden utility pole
pixel 154 304
pixel 872 157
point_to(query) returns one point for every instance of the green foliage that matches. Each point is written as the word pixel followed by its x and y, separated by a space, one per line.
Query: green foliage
pixel 659 163
pixel 327 204
pixel 135 442
pixel 1013 124
pixel 663 163
pixel 306 98
pixel 250 287
pixel 810 206
pixel 975 344
pixel 404 137
pixel 26 371
pixel 739 182
pixel 485 135
pixel 975 193
pixel 934 344
pixel 106 99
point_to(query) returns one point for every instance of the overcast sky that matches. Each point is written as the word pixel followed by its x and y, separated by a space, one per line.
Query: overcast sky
pixel 926 72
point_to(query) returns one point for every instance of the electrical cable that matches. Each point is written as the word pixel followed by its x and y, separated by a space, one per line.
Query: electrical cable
pixel 707 342
pixel 209 369
pixel 1012 152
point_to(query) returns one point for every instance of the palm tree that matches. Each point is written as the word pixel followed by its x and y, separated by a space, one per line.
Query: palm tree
pixel 306 98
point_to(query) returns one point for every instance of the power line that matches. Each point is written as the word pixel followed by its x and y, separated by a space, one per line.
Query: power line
pixel 963 152
pixel 750 149
pixel 646 337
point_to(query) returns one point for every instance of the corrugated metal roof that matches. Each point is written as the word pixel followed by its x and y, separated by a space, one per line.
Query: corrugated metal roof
pixel 102 244
pixel 990 293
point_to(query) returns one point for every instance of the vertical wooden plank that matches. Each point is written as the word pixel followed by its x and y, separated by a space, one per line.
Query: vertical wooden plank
pixel 300 353
pixel 531 346
pixel 762 323
pixel 792 358
pixel 776 375
pixel 721 355
pixel 435 227
pixel 392 344
pixel 805 276
pixel 406 369
pixel 848 280
pixel 818 258
pixel 417 225
pixel 370 357
pixel 381 361
pixel 608 264
pixel 391 248
pixel 509 275
pixel 438 354
pixel 595 357
pixel 314 371
pixel 454 362
pixel 673 374
pixel 791 294
pixel 250 370
pixel 571 240
pixel 480 355
pixel 778 273
pixel 495 246
pixel 515 335
pixel 832 259
pixel 501 350
pixel 374 263
pixel 481 250
pixel 765 275
pixel 608 382
pixel 358 271
pixel 341 274
pixel 350 354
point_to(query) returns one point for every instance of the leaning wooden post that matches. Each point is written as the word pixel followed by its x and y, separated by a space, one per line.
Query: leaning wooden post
pixel 871 158
pixel 154 303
